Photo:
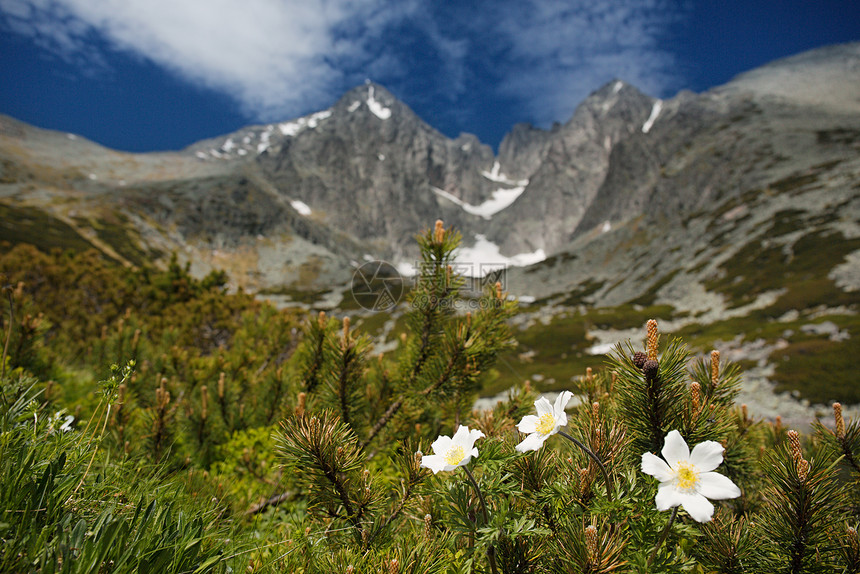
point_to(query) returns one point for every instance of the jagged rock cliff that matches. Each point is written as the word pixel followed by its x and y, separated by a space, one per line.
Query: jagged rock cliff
pixel 298 203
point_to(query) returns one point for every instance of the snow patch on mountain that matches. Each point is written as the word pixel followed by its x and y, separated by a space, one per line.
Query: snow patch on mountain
pixel 500 199
pixel 496 176
pixel 376 107
pixel 655 112
pixel 232 146
pixel 301 207
pixel 485 254
pixel 295 127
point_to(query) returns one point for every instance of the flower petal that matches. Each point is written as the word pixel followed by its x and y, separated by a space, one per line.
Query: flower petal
pixel 441 445
pixel 656 467
pixel 528 424
pixel 461 437
pixel 543 406
pixel 560 403
pixel 697 506
pixel 434 462
pixel 717 487
pixel 469 455
pixel 473 436
pixel 675 448
pixel 667 497
pixel 707 456
pixel 532 442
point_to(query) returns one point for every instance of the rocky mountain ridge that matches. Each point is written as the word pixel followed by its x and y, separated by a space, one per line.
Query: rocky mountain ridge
pixel 299 203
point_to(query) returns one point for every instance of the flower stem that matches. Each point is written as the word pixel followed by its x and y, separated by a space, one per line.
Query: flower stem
pixel 491 551
pixel 596 459
pixel 664 535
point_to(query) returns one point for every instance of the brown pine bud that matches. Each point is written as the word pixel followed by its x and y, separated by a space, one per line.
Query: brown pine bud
pixel 499 290
pixel 840 422
pixel 853 540
pixel 653 339
pixel 588 375
pixel 639 359
pixel 802 469
pixel 428 526
pixel 204 400
pixel 162 396
pixel 794 444
pixel 801 464
pixel 584 482
pixel 393 566
pixel 439 232
pixel 344 343
pixel 321 319
pixel 695 395
pixel 302 403
pixel 595 411
pixel 591 543
pixel 715 367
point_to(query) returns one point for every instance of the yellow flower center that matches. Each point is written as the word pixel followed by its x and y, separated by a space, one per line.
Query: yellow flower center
pixel 455 455
pixel 687 476
pixel 545 424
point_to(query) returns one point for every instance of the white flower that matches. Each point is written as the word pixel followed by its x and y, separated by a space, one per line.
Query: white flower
pixel 549 419
pixel 686 478
pixel 451 452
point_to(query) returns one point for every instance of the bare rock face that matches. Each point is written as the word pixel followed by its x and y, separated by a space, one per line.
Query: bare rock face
pixel 717 193
pixel 371 168
pixel 574 161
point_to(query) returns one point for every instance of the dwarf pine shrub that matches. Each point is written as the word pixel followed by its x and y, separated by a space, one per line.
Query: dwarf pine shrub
pixel 242 438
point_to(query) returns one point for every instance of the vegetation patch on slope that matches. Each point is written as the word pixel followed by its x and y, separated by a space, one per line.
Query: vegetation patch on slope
pixel 22 224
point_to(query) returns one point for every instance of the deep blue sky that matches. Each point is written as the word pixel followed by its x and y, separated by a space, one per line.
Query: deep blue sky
pixel 143 75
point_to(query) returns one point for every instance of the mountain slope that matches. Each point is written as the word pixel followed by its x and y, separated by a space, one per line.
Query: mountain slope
pixel 298 203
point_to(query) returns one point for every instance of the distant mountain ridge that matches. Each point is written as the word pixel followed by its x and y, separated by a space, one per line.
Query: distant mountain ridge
pixel 299 203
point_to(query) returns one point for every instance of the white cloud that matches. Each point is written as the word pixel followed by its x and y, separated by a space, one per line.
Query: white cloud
pixel 559 52
pixel 275 57
pixel 285 58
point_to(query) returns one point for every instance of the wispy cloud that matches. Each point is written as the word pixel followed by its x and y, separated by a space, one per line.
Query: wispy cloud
pixel 281 58
pixel 556 53
pixel 273 56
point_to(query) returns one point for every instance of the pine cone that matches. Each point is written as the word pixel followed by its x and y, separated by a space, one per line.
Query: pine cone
pixel 639 359
pixel 650 368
